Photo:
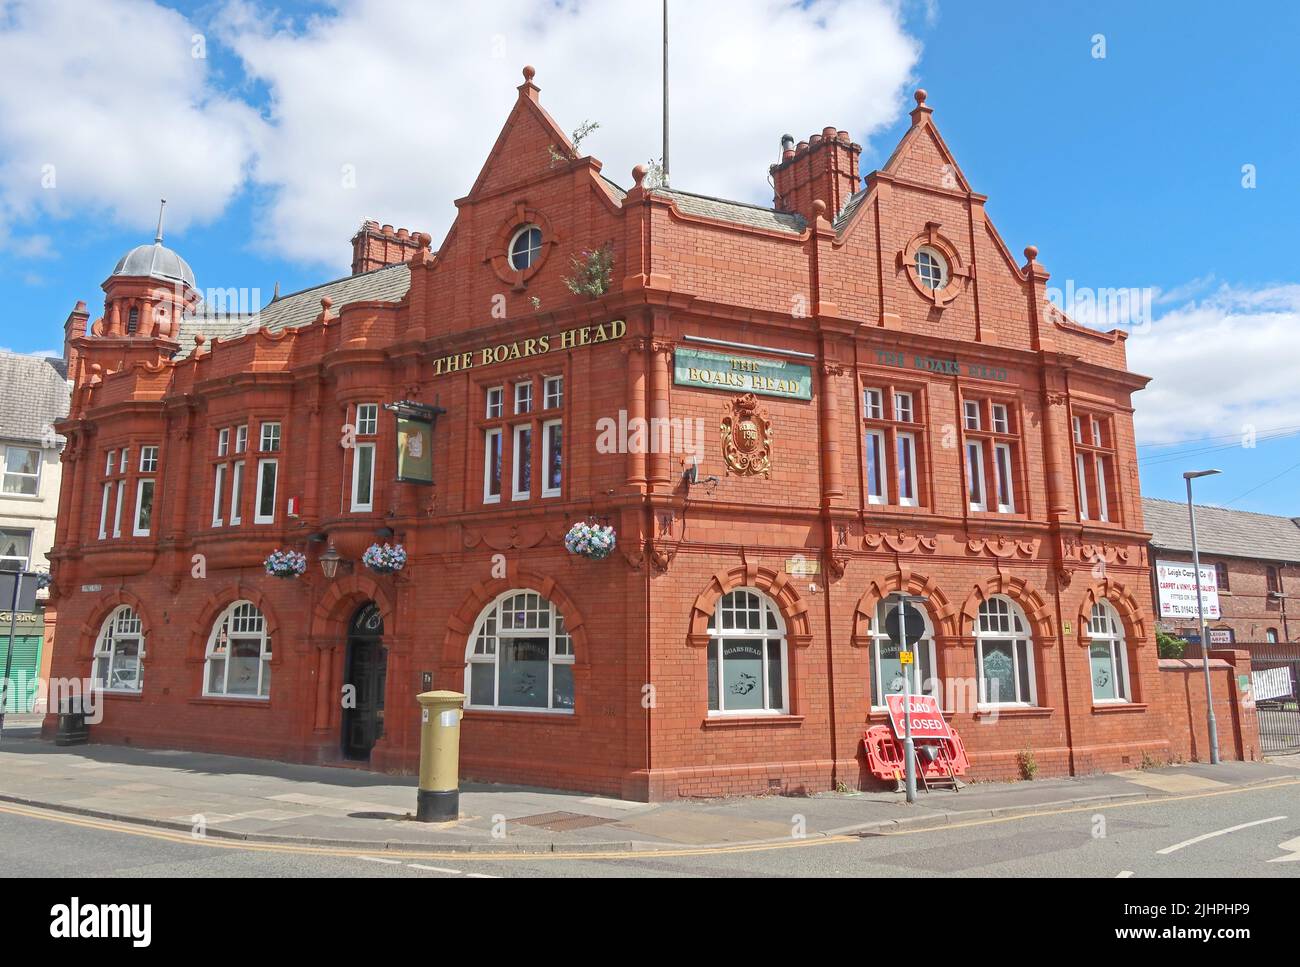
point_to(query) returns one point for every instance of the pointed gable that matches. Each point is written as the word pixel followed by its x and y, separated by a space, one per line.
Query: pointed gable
pixel 922 156
pixel 524 145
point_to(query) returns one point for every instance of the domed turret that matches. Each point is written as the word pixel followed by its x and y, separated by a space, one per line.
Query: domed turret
pixel 137 304
pixel 155 261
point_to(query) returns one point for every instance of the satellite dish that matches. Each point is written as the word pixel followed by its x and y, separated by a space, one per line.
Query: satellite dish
pixel 915 624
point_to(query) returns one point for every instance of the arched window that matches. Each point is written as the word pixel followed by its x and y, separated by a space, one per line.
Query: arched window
pixel 1004 654
pixel 119 650
pixel 520 656
pixel 525 247
pixel 238 658
pixel 886 669
pixel 747 656
pixel 1107 655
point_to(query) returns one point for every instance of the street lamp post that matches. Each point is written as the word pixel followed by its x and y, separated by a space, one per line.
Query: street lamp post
pixel 1212 725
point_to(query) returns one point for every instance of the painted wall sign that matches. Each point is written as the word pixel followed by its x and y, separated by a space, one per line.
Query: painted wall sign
pixel 532 346
pixel 802 565
pixel 743 374
pixel 414 450
pixel 945 365
pixel 1176 583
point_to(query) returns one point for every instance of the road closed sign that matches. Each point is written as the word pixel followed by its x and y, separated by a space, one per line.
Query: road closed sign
pixel 927 717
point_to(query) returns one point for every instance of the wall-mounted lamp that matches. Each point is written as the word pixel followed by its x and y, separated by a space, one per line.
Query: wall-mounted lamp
pixel 329 561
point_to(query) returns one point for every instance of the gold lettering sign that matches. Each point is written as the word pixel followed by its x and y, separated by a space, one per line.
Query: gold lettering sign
pixel 533 346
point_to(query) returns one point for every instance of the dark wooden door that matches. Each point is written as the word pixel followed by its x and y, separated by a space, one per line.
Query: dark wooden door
pixel 367 673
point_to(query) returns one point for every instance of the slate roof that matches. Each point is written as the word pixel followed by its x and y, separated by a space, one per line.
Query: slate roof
pixel 740 213
pixel 1231 533
pixel 33 394
pixel 388 284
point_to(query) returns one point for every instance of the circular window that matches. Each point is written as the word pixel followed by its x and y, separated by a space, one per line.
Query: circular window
pixel 525 247
pixel 932 268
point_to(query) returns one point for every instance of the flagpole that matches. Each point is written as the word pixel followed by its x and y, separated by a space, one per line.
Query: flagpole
pixel 665 158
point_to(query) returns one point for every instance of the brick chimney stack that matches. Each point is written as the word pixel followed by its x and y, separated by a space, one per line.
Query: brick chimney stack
pixel 375 245
pixel 823 167
pixel 74 328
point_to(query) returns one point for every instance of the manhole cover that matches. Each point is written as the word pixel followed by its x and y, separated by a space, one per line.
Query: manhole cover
pixel 562 822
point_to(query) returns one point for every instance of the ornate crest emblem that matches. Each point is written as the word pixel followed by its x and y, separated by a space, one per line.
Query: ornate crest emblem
pixel 747 438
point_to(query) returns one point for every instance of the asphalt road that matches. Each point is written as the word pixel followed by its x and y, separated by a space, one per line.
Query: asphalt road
pixel 1252 832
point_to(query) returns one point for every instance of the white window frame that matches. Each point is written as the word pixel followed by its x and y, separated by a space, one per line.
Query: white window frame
pixel 110 464
pixel 236 485
pixel 484 646
pixel 122 624
pixel 1001 619
pixel 1001 418
pixel 1096 432
pixel 359 506
pixel 136 529
pixel 925 686
pixel 117 507
pixel 246 614
pixel 269 437
pixel 873 403
pixel 1113 636
pixel 940 263
pixel 488 437
pixel 25 561
pixel 1081 473
pixel 1004 474
pixel 496 405
pixel 523 401
pixel 531 254
pixel 904 403
pixel 34 477
pixel 1270 636
pixel 971 414
pixel 1077 425
pixel 258 516
pixel 548 491
pixel 517 434
pixel 772 627
pixel 241 438
pixel 218 493
pixel 877 459
pixel 552 392
pixel 223 442
pixel 976 498
pixel 148 459
pixel 367 419
pixel 905 471
pixel 103 509
pixel 1103 508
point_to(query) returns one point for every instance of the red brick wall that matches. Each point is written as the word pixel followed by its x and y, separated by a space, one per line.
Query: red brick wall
pixel 1185 713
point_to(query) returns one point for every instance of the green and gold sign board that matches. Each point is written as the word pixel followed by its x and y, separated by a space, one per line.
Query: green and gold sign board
pixel 742 374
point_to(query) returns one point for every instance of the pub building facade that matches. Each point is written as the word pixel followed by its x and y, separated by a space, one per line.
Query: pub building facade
pixel 787 414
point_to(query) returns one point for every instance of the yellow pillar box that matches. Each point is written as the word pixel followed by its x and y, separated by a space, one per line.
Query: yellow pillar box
pixel 438 800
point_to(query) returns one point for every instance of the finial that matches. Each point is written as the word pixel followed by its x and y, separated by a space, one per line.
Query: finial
pixel 819 208
pixel 1031 252
pixel 529 73
pixel 920 95
pixel 326 302
pixel 157 239
pixel 638 174
pixel 276 294
pixel 199 339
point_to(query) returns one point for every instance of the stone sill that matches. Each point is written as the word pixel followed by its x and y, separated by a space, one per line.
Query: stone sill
pixel 1014 712
pixel 1118 708
pixel 539 717
pixel 747 721
pixel 228 700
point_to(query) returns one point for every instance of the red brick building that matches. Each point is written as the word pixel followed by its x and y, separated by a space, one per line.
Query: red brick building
pixel 787 414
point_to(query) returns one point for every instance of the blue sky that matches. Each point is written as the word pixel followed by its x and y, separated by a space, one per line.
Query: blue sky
pixel 1125 170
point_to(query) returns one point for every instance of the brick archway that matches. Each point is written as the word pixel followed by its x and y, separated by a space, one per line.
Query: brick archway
pixel 461 623
pixel 219 601
pixel 1130 613
pixel 940 610
pixel 344 596
pixel 775 584
pixel 1034 605
pixel 104 605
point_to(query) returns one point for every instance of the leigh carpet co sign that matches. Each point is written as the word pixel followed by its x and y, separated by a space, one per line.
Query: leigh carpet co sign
pixel 1177 586
pixel 746 374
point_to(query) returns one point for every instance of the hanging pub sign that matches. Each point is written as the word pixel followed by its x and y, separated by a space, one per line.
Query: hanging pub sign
pixel 415 423
pixel 746 374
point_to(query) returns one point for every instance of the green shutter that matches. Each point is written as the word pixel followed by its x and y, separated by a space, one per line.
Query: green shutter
pixel 23 670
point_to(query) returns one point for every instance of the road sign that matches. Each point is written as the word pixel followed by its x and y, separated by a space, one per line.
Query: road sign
pixel 905 658
pixel 927 718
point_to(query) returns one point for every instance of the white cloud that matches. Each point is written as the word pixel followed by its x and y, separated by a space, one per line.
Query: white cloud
pixel 413 102
pixel 103 109
pixel 1221 365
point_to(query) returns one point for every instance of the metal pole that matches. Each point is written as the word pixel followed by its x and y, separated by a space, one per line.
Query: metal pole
pixel 9 652
pixel 665 159
pixel 1205 635
pixel 909 749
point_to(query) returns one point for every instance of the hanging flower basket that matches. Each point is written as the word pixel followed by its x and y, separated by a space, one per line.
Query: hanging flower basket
pixel 384 559
pixel 286 564
pixel 590 540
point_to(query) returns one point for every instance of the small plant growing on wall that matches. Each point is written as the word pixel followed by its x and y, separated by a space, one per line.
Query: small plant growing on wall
pixel 593 269
pixel 560 155
pixel 1028 764
pixel 285 564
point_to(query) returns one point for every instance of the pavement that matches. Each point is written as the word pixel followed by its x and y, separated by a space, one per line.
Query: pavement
pixel 258 800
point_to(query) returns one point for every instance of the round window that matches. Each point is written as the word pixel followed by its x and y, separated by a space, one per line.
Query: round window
pixel 525 247
pixel 932 268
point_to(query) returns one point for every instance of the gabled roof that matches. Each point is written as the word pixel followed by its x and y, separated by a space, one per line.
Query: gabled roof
pixel 1230 533
pixel 36 394
pixel 388 284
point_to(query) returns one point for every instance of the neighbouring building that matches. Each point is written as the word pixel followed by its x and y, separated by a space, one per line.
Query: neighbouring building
pixel 786 415
pixel 34 399
pixel 1250 574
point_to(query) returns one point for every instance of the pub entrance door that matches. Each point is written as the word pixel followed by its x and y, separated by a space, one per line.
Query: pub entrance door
pixel 367 673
